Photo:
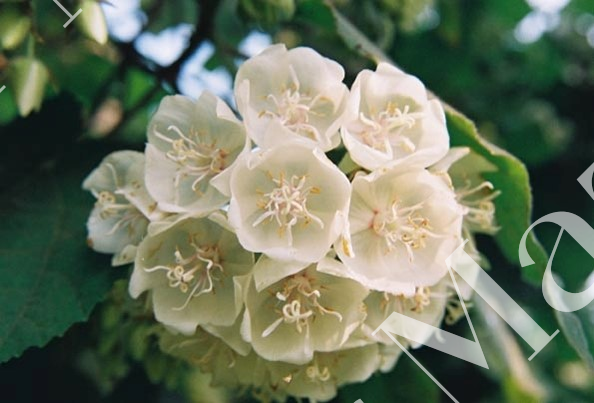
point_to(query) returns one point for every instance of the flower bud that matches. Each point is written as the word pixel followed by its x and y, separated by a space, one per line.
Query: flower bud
pixel 92 21
pixel 28 77
pixel 13 28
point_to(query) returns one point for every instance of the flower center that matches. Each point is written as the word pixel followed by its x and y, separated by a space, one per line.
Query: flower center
pixel 300 304
pixel 194 274
pixel 109 207
pixel 293 108
pixel 403 226
pixel 478 205
pixel 195 158
pixel 384 130
pixel 287 204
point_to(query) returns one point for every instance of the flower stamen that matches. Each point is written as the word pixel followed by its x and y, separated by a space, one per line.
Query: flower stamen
pixel 194 274
pixel 293 108
pixel 287 205
pixel 479 208
pixel 403 226
pixel 194 157
pixel 384 130
pixel 300 304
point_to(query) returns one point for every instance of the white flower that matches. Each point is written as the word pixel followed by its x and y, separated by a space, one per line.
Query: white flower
pixel 427 305
pixel 464 170
pixel 191 143
pixel 388 118
pixel 194 270
pixel 121 214
pixel 403 226
pixel 229 366
pixel 295 94
pixel 305 312
pixel 288 202
pixel 319 379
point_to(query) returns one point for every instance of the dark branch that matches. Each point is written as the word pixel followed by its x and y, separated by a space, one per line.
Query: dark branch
pixel 204 30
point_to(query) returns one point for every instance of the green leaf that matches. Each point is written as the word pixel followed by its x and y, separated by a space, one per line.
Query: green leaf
pixel 578 326
pixel 406 383
pixel 166 14
pixel 356 40
pixel 315 12
pixel 514 204
pixel 49 278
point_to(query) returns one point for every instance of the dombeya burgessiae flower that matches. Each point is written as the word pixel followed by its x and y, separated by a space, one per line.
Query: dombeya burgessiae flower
pixel 305 312
pixel 295 94
pixel 123 207
pixel 403 225
pixel 389 119
pixel 289 203
pixel 194 272
pixel 191 143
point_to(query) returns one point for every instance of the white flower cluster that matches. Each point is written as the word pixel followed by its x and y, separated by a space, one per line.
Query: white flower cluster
pixel 267 265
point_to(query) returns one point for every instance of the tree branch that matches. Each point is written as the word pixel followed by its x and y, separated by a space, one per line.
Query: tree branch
pixel 168 75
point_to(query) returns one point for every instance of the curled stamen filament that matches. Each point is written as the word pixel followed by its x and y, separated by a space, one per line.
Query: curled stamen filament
pixel 313 373
pixel 196 159
pixel 287 204
pixel 193 272
pixel 109 207
pixel 300 304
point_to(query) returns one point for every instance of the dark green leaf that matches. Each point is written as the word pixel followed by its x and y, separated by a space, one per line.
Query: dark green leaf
pixel 49 278
pixel 355 39
pixel 170 13
pixel 406 383
pixel 578 326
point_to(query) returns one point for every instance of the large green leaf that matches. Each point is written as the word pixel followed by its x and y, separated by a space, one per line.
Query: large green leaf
pixel 514 204
pixel 49 279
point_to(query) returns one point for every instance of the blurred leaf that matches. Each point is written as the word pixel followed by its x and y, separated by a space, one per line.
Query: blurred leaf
pixel 506 359
pixel 14 26
pixel 171 13
pixel 9 109
pixel 92 21
pixel 79 72
pixel 50 279
pixel 315 12
pixel 355 39
pixel 137 84
pixel 578 326
pixel 514 204
pixel 267 12
pixel 406 383
pixel 28 78
pixel 450 28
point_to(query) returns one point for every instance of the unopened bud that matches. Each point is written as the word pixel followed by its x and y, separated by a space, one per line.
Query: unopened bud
pixel 28 77
pixel 92 21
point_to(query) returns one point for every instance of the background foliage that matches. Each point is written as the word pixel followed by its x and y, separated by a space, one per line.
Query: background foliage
pixel 522 71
